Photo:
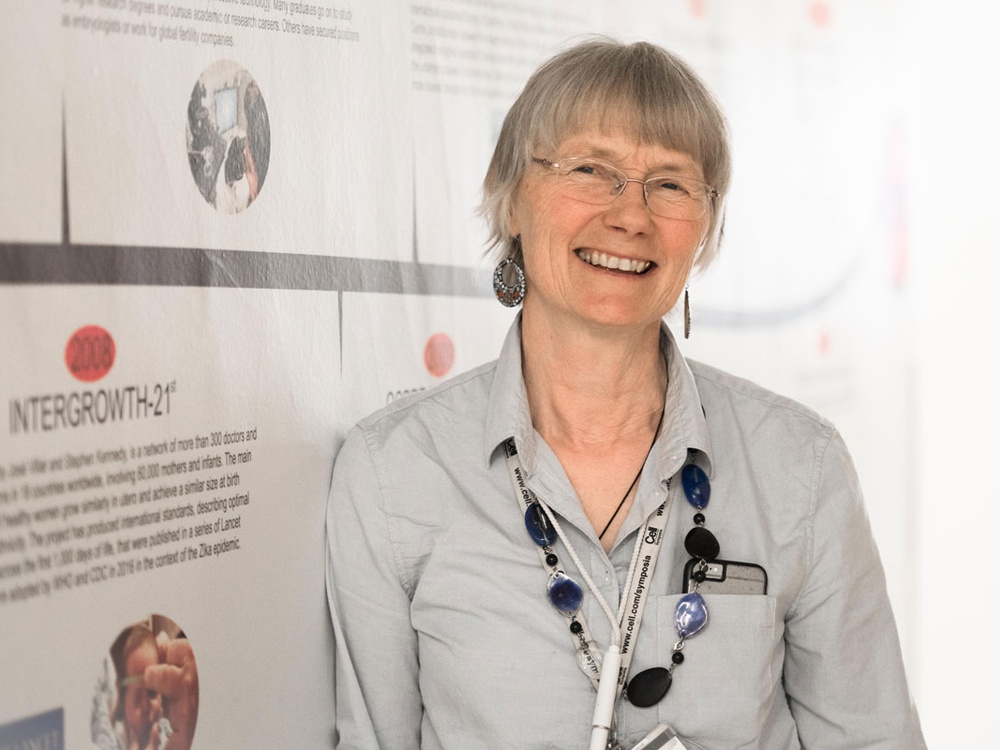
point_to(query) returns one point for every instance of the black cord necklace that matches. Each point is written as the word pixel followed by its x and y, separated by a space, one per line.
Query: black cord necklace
pixel 656 434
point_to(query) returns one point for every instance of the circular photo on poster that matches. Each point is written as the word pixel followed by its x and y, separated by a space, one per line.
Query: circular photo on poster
pixel 228 137
pixel 147 696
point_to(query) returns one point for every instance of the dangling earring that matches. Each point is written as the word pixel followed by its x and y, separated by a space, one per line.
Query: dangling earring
pixel 509 296
pixel 687 314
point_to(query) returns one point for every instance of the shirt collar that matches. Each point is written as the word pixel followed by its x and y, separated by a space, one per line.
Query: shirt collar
pixel 507 414
pixel 685 427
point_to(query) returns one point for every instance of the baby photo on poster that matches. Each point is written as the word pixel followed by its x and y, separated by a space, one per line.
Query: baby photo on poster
pixel 150 700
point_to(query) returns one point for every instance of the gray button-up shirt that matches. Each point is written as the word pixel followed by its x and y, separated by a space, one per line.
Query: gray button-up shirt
pixel 445 637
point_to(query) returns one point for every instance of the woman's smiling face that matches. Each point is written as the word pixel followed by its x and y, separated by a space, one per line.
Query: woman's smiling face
pixel 607 265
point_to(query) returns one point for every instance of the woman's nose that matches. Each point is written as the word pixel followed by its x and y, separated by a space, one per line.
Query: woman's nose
pixel 628 210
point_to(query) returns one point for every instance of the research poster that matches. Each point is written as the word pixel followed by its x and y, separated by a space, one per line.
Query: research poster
pixel 153 471
pixel 229 229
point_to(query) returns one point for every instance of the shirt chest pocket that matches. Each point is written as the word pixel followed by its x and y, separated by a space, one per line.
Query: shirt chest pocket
pixel 723 692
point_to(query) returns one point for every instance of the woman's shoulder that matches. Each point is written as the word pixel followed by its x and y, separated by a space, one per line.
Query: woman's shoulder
pixel 406 451
pixel 745 399
pixel 798 459
pixel 463 394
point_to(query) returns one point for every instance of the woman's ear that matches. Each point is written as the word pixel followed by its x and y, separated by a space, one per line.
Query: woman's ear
pixel 513 222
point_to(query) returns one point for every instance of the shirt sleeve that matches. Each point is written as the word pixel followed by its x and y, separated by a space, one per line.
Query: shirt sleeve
pixel 843 667
pixel 377 695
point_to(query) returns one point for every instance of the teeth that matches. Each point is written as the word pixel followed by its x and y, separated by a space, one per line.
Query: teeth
pixel 603 260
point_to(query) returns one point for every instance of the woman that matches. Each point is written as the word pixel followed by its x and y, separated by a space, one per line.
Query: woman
pixel 592 441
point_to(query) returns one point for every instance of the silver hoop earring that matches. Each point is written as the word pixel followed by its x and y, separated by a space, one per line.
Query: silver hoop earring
pixel 687 314
pixel 509 296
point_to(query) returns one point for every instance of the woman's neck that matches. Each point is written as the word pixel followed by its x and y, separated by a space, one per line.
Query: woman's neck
pixel 589 386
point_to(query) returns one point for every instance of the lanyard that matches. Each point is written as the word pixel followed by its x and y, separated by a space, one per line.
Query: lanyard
pixel 644 556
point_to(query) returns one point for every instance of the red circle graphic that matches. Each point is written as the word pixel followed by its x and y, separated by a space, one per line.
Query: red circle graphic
pixel 820 13
pixel 439 354
pixel 90 353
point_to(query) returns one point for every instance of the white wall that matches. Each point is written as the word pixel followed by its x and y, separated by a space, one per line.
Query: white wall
pixel 955 60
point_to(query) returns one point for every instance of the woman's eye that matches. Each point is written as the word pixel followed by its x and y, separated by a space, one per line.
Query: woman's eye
pixel 671 186
pixel 589 169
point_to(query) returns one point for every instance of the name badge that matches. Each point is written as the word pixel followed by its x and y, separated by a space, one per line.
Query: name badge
pixel 661 738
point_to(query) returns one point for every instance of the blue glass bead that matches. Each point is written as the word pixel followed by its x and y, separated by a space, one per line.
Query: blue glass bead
pixel 690 615
pixel 565 593
pixel 697 489
pixel 538 525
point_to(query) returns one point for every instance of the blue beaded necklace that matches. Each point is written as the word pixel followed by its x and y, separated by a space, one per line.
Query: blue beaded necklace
pixel 691 613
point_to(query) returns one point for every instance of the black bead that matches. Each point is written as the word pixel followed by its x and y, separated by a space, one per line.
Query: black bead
pixel 677 657
pixel 648 687
pixel 701 543
pixel 575 627
pixel 699 576
pixel 699 518
pixel 551 560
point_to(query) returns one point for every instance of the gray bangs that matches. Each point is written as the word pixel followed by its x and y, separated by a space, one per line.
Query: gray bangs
pixel 634 98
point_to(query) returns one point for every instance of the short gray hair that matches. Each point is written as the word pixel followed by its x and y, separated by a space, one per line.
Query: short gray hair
pixel 648 92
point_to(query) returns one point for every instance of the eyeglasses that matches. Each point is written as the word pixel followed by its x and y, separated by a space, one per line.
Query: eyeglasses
pixel 596 182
